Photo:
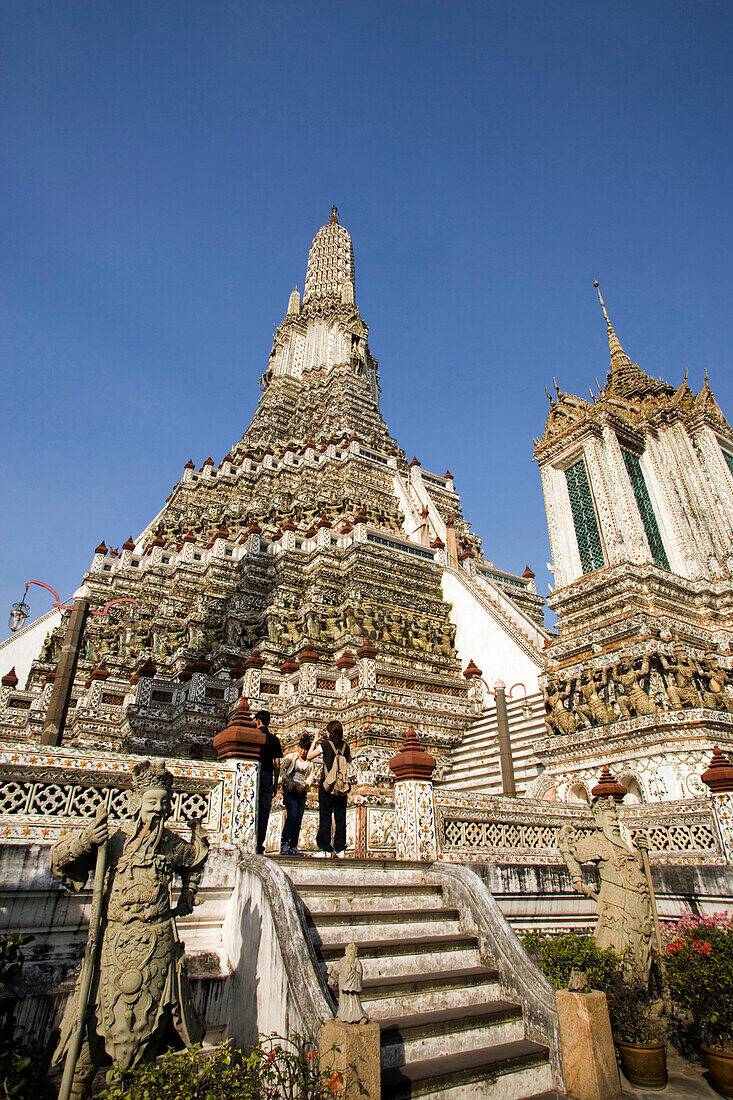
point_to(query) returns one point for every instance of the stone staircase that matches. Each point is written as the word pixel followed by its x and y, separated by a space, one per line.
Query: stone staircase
pixel 447 1029
pixel 475 760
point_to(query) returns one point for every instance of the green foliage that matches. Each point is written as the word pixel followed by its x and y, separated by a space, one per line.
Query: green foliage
pixel 557 956
pixel 699 969
pixel 18 1054
pixel 275 1069
pixel 633 1012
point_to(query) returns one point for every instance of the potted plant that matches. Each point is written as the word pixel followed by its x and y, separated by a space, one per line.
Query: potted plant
pixel 635 1019
pixel 637 1031
pixel 699 969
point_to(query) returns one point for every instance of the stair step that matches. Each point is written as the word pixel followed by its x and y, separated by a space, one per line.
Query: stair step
pixel 417 1036
pixel 429 990
pixel 356 897
pixel 408 956
pixel 507 1071
pixel 360 926
pixel 372 949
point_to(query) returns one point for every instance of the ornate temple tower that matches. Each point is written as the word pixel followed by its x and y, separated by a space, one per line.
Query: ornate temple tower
pixel 638 486
pixel 313 568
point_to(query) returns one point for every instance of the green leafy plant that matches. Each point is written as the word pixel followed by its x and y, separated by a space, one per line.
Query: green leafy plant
pixel 633 1011
pixel 275 1069
pixel 699 970
pixel 557 956
pixel 18 1054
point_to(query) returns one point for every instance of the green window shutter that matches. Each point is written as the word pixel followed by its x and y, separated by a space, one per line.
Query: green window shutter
pixel 729 459
pixel 584 518
pixel 643 500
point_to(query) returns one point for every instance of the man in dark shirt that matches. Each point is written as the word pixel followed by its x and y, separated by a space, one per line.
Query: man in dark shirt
pixel 270 757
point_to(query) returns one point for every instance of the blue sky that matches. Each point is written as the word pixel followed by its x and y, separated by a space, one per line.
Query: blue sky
pixel 165 165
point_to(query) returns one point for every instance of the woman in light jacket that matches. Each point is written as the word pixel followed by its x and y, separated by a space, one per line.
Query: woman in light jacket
pixel 296 775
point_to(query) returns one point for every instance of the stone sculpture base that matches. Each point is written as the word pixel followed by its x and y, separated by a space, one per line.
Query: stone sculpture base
pixel 353 1050
pixel 588 1053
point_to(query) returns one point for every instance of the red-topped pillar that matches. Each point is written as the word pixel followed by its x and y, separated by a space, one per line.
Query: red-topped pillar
pixel 238 745
pixel 415 828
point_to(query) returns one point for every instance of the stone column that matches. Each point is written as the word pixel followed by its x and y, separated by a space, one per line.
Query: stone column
pixel 415 828
pixel 506 760
pixel 58 706
pixel 239 744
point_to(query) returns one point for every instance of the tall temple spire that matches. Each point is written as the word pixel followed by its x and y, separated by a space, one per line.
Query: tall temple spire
pixel 626 379
pixel 330 271
pixel 619 358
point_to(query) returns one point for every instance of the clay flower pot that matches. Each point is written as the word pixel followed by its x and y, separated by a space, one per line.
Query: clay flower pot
pixel 720 1064
pixel 644 1064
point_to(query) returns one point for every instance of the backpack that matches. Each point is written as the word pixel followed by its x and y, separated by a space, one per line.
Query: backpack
pixel 336 780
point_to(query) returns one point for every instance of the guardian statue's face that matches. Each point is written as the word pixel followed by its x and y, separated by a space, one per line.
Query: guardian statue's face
pixel 155 805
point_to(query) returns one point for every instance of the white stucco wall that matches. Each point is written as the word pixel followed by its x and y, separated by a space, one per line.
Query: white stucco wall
pixel 481 638
pixel 21 649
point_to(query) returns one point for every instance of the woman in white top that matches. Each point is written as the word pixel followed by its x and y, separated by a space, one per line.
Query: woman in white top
pixel 296 774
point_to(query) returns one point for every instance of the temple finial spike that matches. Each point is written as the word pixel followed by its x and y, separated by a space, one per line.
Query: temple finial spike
pixel 618 355
pixel 334 219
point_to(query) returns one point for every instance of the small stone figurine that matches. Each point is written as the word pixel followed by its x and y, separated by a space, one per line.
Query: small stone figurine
pixel 348 973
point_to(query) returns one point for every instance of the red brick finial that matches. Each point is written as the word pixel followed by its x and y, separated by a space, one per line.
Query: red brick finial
pixel 719 773
pixel 101 672
pixel 101 549
pixel 10 679
pixel 528 573
pixel 608 787
pixel 366 649
pixel 147 669
pixel 308 654
pixel 240 740
pixel 255 660
pixel 472 671
pixel 345 661
pixel 412 761
pixel 289 666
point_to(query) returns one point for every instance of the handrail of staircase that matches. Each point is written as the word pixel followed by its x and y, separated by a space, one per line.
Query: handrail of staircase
pixel 306 981
pixel 518 974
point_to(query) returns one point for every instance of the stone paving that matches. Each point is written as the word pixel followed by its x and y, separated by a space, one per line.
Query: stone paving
pixel 686 1081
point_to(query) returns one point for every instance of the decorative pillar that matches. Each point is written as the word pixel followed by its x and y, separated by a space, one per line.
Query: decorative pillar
pixel 719 779
pixel 239 744
pixel 307 659
pixel 252 672
pixel 413 795
pixel 451 543
pixel 127 550
pixel 58 706
pixel 344 663
pixel 323 533
pixel 100 554
pixel 288 530
pixel 8 683
pixel 367 668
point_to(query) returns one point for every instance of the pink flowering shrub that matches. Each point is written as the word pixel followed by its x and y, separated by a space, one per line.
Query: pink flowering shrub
pixel 699 968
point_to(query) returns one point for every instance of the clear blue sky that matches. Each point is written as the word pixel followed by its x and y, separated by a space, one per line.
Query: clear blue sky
pixel 165 166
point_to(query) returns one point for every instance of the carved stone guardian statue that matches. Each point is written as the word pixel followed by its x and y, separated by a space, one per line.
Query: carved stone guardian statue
pixel 623 900
pixel 139 989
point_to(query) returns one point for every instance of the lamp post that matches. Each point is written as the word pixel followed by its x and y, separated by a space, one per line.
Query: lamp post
pixel 506 762
pixel 58 704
